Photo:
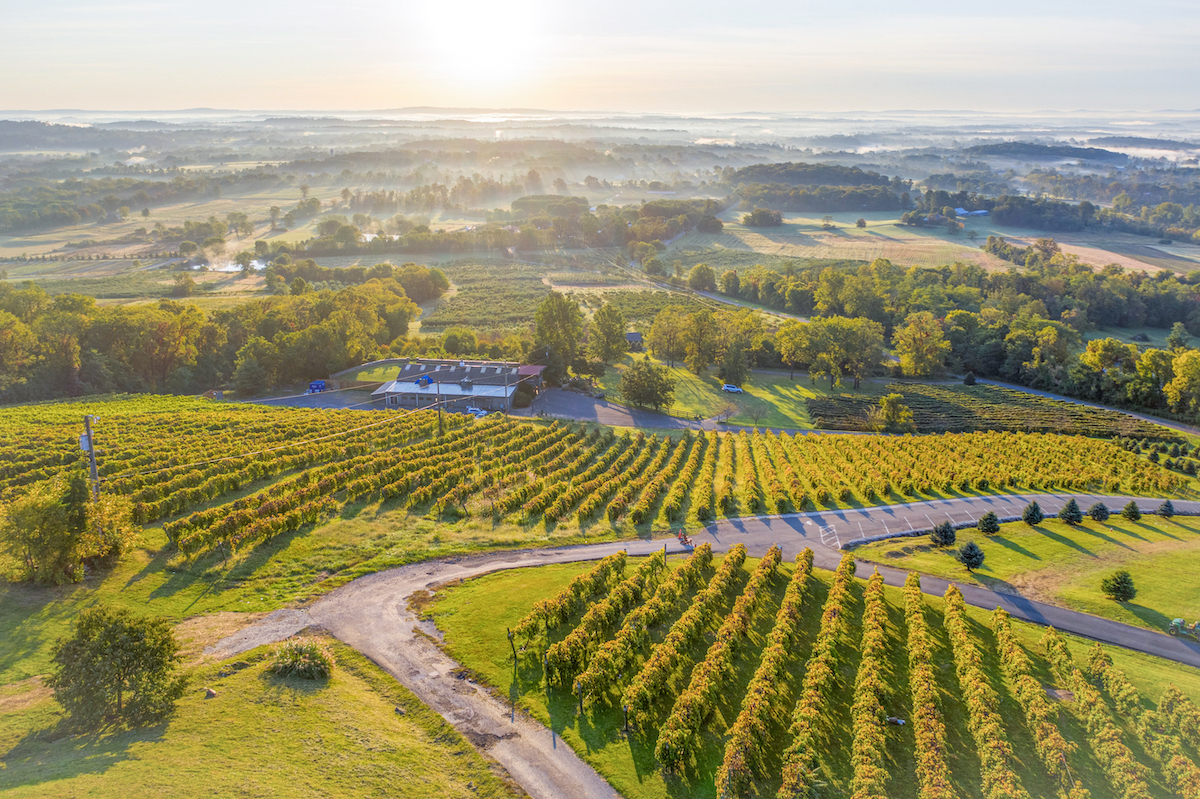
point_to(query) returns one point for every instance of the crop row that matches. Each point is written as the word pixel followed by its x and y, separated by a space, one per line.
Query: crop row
pixel 1040 715
pixel 616 655
pixel 1000 781
pixel 929 730
pixel 820 679
pixel 1178 770
pixel 679 737
pixel 660 478
pixel 745 748
pixel 651 684
pixel 565 659
pixel 643 473
pixel 1125 773
pixel 560 607
pixel 867 717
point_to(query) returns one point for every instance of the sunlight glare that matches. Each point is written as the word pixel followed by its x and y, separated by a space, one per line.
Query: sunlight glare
pixel 483 43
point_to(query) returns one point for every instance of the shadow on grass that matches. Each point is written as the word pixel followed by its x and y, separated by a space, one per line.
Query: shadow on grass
pixel 59 752
pixel 1008 543
pixel 1062 539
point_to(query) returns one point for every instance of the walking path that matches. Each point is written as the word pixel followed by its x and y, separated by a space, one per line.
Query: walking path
pixel 372 615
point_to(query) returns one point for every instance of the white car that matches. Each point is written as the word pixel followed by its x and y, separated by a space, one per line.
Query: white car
pixel 478 413
pixel 732 389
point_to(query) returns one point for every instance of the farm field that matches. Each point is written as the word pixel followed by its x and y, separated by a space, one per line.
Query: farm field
pixel 803 236
pixel 956 408
pixel 745 692
pixel 1063 564
pixel 357 728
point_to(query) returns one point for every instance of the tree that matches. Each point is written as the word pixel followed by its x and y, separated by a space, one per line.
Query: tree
pixel 273 214
pixel 145 213
pixel 1119 586
pixel 654 267
pixel 1099 512
pixel 891 416
pixel 187 248
pixel 700 340
pixel 943 535
pixel 989 523
pixel 36 532
pixel 861 223
pixel 304 188
pixel 244 259
pixel 730 283
pixel 665 339
pixel 702 278
pixel 250 377
pixel 734 366
pixel 1166 509
pixel 558 327
pixel 1131 512
pixel 793 342
pixel 648 384
pixel 921 345
pixel 606 335
pixel 971 556
pixel 1070 512
pixel 1178 338
pixel 1032 515
pixel 299 286
pixel 117 669
pixel 969 379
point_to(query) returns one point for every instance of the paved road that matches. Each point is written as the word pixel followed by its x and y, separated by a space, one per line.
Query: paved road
pixel 372 615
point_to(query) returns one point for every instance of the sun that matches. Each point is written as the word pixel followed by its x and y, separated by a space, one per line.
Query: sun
pixel 482 44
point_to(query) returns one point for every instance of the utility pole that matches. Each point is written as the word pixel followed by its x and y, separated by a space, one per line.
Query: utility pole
pixel 438 388
pixel 91 448
pixel 506 389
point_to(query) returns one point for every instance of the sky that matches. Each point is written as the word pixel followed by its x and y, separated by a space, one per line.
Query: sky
pixel 790 56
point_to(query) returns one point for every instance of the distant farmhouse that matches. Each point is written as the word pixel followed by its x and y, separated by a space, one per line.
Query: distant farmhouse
pixel 489 385
pixel 635 341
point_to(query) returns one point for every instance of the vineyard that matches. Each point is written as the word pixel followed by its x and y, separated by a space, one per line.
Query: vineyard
pixel 735 677
pixel 962 409
pixel 230 477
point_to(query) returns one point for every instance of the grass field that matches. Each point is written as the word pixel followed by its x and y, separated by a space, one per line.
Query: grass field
pixel 1063 564
pixel 475 614
pixel 778 400
pixel 358 733
pixel 803 236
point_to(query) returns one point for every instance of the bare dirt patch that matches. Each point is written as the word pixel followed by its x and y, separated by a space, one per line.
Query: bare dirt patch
pixel 23 695
pixel 200 632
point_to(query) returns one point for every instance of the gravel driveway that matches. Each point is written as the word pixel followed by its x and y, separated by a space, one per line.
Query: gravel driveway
pixel 372 615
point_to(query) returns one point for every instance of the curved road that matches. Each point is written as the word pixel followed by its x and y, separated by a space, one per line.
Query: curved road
pixel 372 615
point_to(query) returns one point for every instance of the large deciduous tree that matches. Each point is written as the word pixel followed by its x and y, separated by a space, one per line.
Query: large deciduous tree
pixel 665 339
pixel 606 335
pixel 648 384
pixel 117 669
pixel 921 345
pixel 558 327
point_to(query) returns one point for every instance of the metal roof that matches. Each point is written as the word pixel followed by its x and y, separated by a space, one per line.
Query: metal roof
pixel 446 390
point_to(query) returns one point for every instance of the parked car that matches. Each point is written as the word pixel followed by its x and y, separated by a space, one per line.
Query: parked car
pixel 478 413
pixel 732 389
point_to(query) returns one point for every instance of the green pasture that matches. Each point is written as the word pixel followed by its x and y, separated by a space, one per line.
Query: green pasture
pixel 775 398
pixel 1063 564
pixel 358 733
pixel 474 615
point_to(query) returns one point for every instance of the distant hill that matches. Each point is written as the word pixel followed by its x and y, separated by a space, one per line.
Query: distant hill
pixel 1150 144
pixel 1046 152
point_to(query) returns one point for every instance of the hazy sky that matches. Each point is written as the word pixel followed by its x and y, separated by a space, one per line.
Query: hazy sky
pixel 773 55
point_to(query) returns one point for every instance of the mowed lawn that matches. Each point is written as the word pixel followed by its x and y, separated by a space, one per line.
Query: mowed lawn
pixel 474 615
pixel 1063 564
pixel 358 733
pixel 771 399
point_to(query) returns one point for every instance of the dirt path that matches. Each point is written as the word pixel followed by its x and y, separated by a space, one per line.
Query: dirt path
pixel 372 615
